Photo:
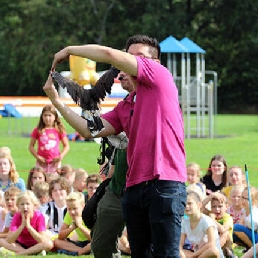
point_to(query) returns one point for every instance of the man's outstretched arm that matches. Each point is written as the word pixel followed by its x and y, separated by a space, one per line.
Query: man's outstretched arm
pixel 72 118
pixel 119 59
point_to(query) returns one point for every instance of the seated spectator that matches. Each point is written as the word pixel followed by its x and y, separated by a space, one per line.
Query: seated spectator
pixel 41 191
pixel 92 184
pixel 58 191
pixel 222 219
pixel 75 202
pixel 8 173
pixel 242 233
pixel 219 205
pixel 79 184
pixel 10 197
pixel 235 204
pixel 197 189
pixel 35 174
pixel 235 177
pixel 216 176
pixel 193 175
pixel 50 177
pixel 202 195
pixel 200 229
pixel 27 233
pixel 68 172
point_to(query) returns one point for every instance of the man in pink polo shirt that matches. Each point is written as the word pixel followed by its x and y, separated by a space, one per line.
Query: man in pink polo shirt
pixel 155 195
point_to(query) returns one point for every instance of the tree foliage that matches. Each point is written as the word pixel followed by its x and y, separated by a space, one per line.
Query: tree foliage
pixel 31 31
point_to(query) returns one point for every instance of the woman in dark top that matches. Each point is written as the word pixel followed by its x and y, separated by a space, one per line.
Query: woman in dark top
pixel 216 176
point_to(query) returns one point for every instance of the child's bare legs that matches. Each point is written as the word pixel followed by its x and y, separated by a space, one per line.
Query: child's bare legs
pixel 224 238
pixel 226 243
pixel 210 253
pixel 185 253
pixel 47 245
pixel 207 252
pixel 71 247
pixel 250 252
pixel 12 247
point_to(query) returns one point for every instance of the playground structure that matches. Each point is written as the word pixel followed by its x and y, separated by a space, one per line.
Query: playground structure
pixel 197 96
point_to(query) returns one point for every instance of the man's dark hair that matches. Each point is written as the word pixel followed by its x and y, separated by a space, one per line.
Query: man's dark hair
pixel 144 39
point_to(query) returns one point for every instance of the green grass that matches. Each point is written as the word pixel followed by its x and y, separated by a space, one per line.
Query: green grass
pixel 235 139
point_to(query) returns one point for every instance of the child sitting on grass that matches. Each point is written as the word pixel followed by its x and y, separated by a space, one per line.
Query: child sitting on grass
pixel 73 222
pixel 235 176
pixel 80 179
pixel 222 219
pixel 242 233
pixel 10 197
pixel 68 172
pixel 193 171
pixel 235 204
pixel 200 230
pixel 92 184
pixel 58 189
pixel 9 176
pixel 27 234
pixel 41 191
pixel 35 174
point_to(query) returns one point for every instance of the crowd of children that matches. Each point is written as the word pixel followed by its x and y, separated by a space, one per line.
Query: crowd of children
pixel 46 214
pixel 218 202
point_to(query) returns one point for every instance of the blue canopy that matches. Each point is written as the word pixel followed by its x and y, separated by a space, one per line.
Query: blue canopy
pixel 172 45
pixel 191 46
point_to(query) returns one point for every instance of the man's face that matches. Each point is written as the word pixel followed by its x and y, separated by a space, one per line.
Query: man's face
pixel 139 49
pixel 126 82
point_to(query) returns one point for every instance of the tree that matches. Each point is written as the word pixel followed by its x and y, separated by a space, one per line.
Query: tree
pixel 31 31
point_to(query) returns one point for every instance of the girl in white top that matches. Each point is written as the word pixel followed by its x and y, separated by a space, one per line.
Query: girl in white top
pixel 200 230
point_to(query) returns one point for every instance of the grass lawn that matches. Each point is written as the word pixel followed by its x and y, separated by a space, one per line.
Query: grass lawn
pixel 236 140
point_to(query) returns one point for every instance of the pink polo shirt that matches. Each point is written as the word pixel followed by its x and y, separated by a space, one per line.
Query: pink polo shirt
pixel 154 126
